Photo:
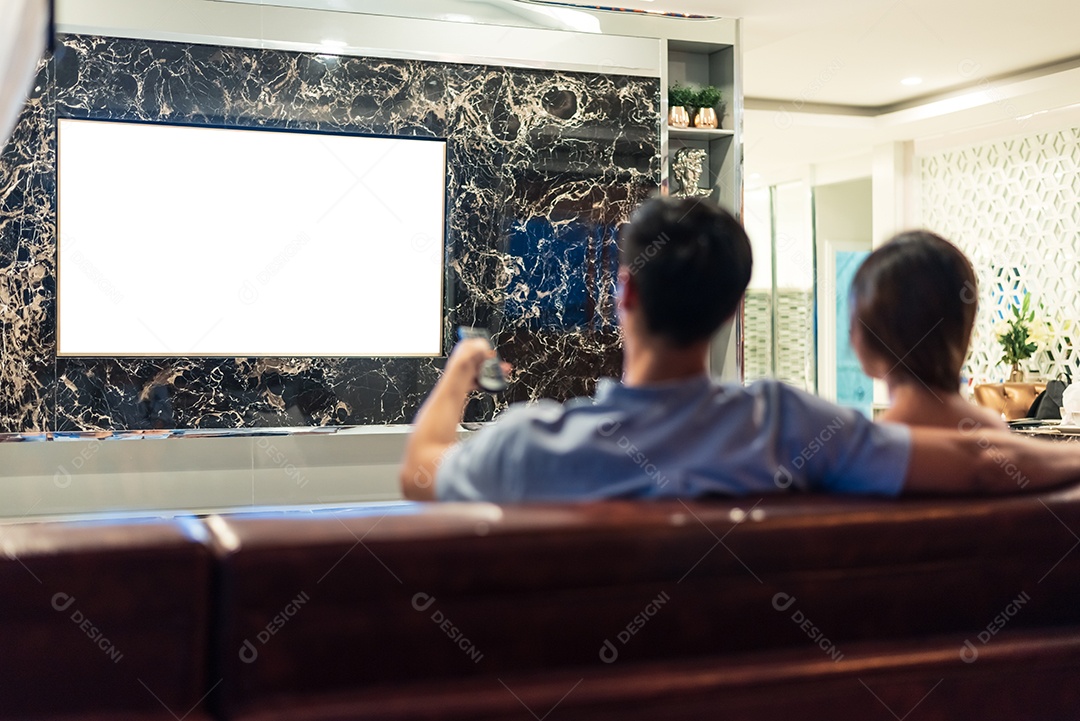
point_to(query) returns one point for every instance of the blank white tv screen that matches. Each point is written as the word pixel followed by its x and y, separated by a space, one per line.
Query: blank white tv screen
pixel 195 241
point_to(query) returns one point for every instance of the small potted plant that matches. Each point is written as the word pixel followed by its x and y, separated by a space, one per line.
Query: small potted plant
pixel 706 100
pixel 680 99
pixel 1019 337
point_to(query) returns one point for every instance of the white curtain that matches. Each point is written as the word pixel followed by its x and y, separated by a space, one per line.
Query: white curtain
pixel 22 44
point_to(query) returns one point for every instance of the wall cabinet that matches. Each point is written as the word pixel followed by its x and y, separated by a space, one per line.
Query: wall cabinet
pixel 697 64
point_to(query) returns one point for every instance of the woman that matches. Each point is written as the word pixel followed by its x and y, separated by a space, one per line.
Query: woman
pixel 912 313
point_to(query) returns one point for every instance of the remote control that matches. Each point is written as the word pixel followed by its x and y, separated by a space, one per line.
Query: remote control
pixel 490 378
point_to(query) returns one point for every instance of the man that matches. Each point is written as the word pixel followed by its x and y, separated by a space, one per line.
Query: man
pixel 668 430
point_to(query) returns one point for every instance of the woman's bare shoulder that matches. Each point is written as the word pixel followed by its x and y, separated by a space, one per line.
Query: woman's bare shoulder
pixel 952 414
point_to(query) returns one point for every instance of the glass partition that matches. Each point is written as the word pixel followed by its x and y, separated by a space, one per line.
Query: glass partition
pixel 757 319
pixel 780 321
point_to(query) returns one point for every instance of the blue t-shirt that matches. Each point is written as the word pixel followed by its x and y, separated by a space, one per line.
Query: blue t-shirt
pixel 684 439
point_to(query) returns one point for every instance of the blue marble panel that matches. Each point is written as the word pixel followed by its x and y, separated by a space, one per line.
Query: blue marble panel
pixel 589 157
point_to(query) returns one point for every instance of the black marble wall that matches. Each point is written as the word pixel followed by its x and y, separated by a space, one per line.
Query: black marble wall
pixel 543 168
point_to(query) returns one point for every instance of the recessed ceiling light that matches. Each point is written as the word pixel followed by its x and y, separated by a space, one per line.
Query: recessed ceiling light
pixel 911 81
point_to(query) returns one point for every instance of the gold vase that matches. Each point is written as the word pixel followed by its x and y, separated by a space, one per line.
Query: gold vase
pixel 1017 374
pixel 706 118
pixel 678 117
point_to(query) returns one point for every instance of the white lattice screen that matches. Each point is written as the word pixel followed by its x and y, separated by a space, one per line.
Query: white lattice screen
pixel 1014 207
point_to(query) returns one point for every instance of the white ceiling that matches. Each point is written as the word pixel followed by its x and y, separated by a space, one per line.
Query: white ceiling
pixel 856 52
pixel 989 68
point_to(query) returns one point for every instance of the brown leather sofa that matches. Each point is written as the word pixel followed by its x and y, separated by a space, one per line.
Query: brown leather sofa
pixel 754 609
pixel 751 609
pixel 1013 400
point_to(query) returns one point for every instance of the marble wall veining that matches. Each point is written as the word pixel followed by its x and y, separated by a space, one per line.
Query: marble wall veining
pixel 543 168
pixel 28 265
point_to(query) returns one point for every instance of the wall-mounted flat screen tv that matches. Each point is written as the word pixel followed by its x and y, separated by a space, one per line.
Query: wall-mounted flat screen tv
pixel 199 241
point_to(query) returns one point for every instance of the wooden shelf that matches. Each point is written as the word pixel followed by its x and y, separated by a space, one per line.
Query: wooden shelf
pixel 699 133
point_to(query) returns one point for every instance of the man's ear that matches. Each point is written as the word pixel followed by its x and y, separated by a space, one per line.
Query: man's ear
pixel 628 290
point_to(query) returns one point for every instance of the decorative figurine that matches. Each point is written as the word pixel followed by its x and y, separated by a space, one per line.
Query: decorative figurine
pixel 687 168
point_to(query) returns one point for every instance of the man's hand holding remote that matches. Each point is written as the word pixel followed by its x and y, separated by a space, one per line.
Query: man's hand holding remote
pixel 464 365
pixel 490 376
pixel 436 425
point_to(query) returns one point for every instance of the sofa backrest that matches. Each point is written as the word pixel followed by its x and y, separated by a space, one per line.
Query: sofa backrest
pixel 1023 675
pixel 104 620
pixel 318 606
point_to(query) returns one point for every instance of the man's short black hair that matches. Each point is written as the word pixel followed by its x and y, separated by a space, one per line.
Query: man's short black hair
pixel 690 260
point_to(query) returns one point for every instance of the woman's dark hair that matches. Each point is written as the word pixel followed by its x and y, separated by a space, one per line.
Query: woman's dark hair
pixel 690 261
pixel 913 301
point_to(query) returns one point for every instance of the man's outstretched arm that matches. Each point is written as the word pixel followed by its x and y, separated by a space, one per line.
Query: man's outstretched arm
pixel 435 427
pixel 987 462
